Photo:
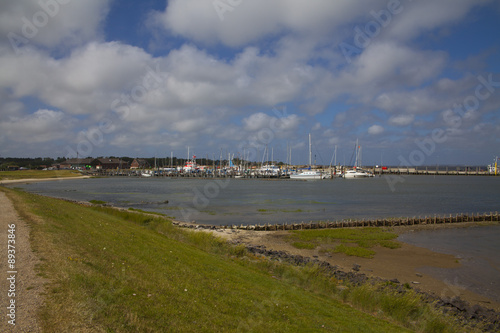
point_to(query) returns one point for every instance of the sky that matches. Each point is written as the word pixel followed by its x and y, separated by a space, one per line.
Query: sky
pixel 415 83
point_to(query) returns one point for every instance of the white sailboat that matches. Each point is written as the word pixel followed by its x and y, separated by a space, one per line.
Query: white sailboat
pixel 356 171
pixel 308 174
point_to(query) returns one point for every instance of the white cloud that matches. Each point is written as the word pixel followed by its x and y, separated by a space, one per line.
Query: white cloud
pixel 375 130
pixel 418 17
pixel 252 20
pixel 52 23
pixel 389 65
pixel 401 120
pixel 282 52
pixel 259 121
pixel 41 126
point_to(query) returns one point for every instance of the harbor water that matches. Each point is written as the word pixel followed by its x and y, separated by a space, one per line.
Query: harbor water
pixel 259 201
pixel 478 250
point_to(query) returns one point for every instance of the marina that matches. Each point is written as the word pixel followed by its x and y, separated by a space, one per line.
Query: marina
pixel 276 172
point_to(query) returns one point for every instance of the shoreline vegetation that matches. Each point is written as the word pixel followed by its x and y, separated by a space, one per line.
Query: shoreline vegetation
pixel 39 175
pixel 118 270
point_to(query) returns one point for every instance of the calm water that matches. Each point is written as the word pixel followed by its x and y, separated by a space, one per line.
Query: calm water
pixel 478 249
pixel 253 201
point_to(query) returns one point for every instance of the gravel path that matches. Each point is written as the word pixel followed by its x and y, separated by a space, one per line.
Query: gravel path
pixel 28 286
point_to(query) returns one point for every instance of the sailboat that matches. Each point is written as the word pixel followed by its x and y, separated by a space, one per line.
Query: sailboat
pixel 308 174
pixel 356 171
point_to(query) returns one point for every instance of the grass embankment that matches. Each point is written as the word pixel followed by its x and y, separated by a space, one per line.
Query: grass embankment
pixel 123 271
pixel 38 174
pixel 354 242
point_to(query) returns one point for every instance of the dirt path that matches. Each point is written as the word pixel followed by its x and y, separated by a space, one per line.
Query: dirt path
pixel 27 286
pixel 402 263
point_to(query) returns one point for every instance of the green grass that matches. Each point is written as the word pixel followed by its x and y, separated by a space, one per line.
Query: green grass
pixel 97 202
pixel 122 271
pixel 357 251
pixel 353 241
pixel 304 245
pixel 38 174
pixel 146 212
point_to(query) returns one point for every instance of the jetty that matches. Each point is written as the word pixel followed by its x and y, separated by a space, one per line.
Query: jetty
pixel 352 223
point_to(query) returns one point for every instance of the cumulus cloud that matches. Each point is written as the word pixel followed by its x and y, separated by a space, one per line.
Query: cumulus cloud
pixel 375 130
pixel 422 16
pixel 260 120
pixel 276 53
pixel 51 23
pixel 388 65
pixel 41 126
pixel 402 119
pixel 236 25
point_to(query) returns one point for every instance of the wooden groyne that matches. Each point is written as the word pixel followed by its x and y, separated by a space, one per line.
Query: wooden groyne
pixel 388 222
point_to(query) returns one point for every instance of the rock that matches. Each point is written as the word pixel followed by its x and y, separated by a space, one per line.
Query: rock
pixel 356 267
pixel 419 275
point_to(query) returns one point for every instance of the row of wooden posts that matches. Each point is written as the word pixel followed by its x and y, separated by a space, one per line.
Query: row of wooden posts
pixel 459 218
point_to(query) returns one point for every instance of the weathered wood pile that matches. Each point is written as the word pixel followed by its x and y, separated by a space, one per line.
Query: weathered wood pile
pixel 390 222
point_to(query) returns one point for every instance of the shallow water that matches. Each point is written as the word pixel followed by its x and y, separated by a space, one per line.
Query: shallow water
pixel 254 201
pixel 477 248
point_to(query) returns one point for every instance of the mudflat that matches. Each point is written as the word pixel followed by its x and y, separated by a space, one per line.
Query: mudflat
pixel 402 263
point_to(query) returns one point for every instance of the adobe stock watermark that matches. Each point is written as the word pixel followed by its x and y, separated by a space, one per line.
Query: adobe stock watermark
pixel 202 196
pixel 223 6
pixel 363 36
pixel 453 118
pixel 153 80
pixel 265 135
pixel 92 137
pixel 30 27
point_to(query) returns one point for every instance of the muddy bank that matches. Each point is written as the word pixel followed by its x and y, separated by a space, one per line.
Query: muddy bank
pixel 488 319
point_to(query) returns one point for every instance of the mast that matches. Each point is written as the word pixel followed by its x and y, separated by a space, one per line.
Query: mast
pixel 335 165
pixel 356 150
pixel 310 150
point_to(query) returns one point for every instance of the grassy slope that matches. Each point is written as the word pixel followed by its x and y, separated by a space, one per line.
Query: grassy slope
pixel 112 274
pixel 37 174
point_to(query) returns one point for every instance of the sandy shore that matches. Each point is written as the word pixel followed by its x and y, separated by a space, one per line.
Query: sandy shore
pixel 35 180
pixel 402 263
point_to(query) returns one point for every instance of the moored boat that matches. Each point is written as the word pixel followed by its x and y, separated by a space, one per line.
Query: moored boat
pixel 307 175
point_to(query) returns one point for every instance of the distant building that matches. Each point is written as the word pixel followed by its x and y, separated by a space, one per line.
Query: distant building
pixel 109 163
pixel 139 163
pixel 76 163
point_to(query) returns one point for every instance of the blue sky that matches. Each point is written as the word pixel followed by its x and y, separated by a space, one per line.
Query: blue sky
pixel 416 82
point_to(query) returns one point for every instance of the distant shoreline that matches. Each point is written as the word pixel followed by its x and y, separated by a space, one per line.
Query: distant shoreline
pixel 35 180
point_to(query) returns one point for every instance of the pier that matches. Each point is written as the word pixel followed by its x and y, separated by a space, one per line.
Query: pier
pixel 432 171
